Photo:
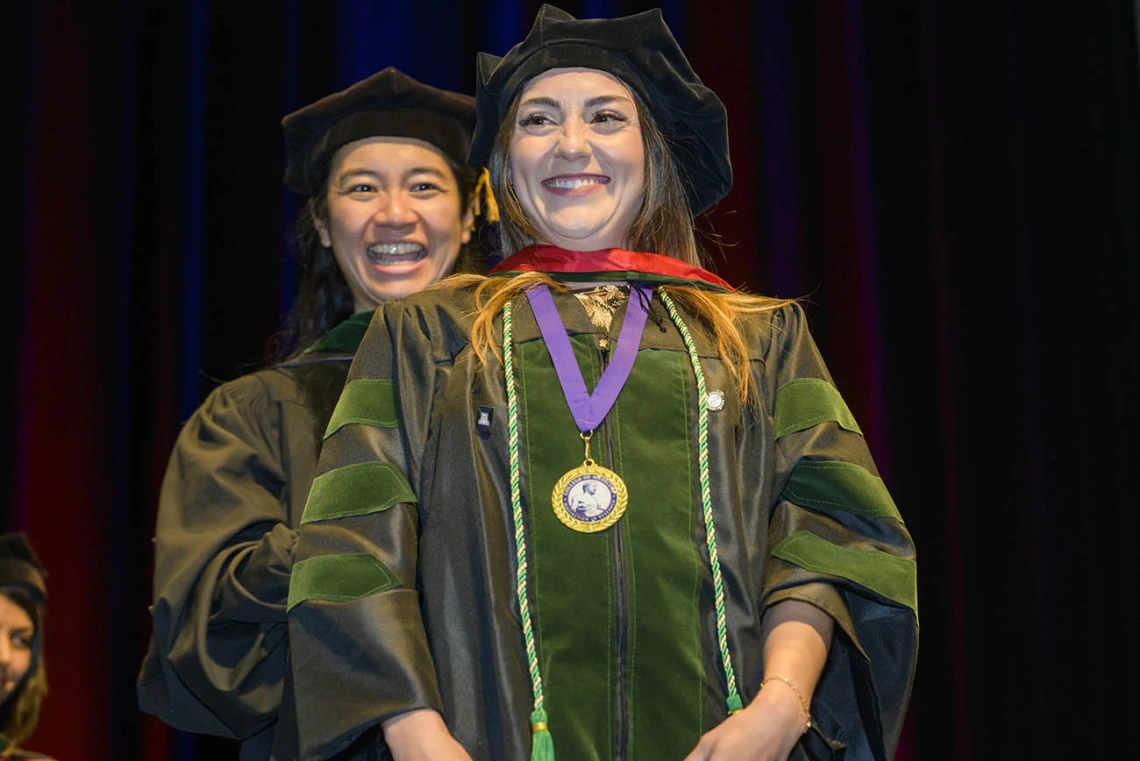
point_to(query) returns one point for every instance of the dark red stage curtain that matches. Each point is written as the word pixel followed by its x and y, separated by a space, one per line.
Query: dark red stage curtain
pixel 954 191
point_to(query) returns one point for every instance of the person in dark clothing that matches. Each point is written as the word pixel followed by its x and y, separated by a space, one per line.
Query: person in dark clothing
pixel 745 590
pixel 390 208
pixel 23 675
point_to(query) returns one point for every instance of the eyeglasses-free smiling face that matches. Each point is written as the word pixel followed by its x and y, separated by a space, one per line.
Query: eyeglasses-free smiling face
pixel 16 635
pixel 394 220
pixel 577 160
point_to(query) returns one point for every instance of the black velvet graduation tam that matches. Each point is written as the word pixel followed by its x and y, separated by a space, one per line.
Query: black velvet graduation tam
pixel 639 50
pixel 20 566
pixel 388 103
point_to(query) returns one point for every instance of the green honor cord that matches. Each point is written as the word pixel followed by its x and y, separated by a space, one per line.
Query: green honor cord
pixel 734 702
pixel 542 748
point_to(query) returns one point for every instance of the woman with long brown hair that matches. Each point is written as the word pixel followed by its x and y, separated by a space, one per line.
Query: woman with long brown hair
pixel 598 502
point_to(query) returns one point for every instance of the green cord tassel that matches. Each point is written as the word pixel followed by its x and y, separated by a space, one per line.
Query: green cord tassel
pixel 542 744
pixel 735 704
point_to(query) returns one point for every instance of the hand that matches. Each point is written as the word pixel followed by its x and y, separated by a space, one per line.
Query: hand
pixel 766 730
pixel 421 735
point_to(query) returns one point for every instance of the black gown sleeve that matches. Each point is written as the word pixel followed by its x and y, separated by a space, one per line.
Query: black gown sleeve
pixel 359 648
pixel 837 540
pixel 223 554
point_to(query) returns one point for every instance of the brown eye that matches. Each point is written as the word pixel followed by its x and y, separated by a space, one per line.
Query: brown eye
pixel 604 117
pixel 535 119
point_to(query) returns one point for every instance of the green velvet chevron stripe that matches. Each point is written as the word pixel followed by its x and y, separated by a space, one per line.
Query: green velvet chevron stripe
pixel 339 578
pixel 826 485
pixel 368 401
pixel 805 402
pixel 367 487
pixel 889 576
pixel 345 336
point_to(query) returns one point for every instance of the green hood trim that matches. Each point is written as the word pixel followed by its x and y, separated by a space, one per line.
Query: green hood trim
pixel 360 489
pixel 366 401
pixel 806 402
pixel 826 485
pixel 666 565
pixel 886 575
pixel 631 276
pixel 339 578
pixel 575 575
pixel 344 337
pixel 572 601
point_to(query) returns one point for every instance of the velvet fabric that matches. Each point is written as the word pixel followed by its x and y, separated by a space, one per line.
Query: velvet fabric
pixel 607 263
pixel 617 614
pixel 19 565
pixel 624 619
pixel 234 490
pixel 387 103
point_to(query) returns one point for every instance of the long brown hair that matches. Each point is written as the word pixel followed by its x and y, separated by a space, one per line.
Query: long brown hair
pixel 20 712
pixel 664 225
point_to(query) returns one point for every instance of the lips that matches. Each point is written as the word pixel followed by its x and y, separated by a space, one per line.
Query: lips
pixel 575 184
pixel 385 254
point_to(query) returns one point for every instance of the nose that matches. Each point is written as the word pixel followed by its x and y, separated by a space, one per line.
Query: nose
pixel 393 210
pixel 573 142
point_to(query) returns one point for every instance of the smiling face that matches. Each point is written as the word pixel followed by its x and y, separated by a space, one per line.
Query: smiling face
pixel 17 633
pixel 394 219
pixel 577 160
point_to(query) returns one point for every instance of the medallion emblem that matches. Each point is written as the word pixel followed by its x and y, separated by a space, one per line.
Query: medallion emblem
pixel 590 498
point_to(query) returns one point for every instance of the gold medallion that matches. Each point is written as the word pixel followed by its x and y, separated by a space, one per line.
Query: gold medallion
pixel 590 498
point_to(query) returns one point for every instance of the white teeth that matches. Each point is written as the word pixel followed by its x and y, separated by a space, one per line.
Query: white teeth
pixel 388 254
pixel 572 182
pixel 395 249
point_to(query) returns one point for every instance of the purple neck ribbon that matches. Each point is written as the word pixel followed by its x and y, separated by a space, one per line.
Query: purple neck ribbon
pixel 590 409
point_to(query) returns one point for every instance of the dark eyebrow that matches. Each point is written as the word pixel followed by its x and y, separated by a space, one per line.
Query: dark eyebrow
pixel 541 101
pixel 597 100
pixel 351 173
pixel 425 170
pixel 356 172
pixel 603 99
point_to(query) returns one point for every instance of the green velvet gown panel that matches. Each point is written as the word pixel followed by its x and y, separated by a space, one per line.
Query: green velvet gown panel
pixel 624 618
pixel 232 497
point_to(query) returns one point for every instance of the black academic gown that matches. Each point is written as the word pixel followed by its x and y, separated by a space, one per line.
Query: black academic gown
pixel 233 494
pixel 404 592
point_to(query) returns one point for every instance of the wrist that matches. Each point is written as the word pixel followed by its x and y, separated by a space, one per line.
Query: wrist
pixel 407 726
pixel 785 692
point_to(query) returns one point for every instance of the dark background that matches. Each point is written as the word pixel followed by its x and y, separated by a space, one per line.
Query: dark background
pixel 955 187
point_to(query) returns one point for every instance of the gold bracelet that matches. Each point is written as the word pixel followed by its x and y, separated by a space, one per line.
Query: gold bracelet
pixel 799 695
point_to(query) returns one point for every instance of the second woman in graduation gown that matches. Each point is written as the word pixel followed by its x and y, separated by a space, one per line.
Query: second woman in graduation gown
pixel 389 209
